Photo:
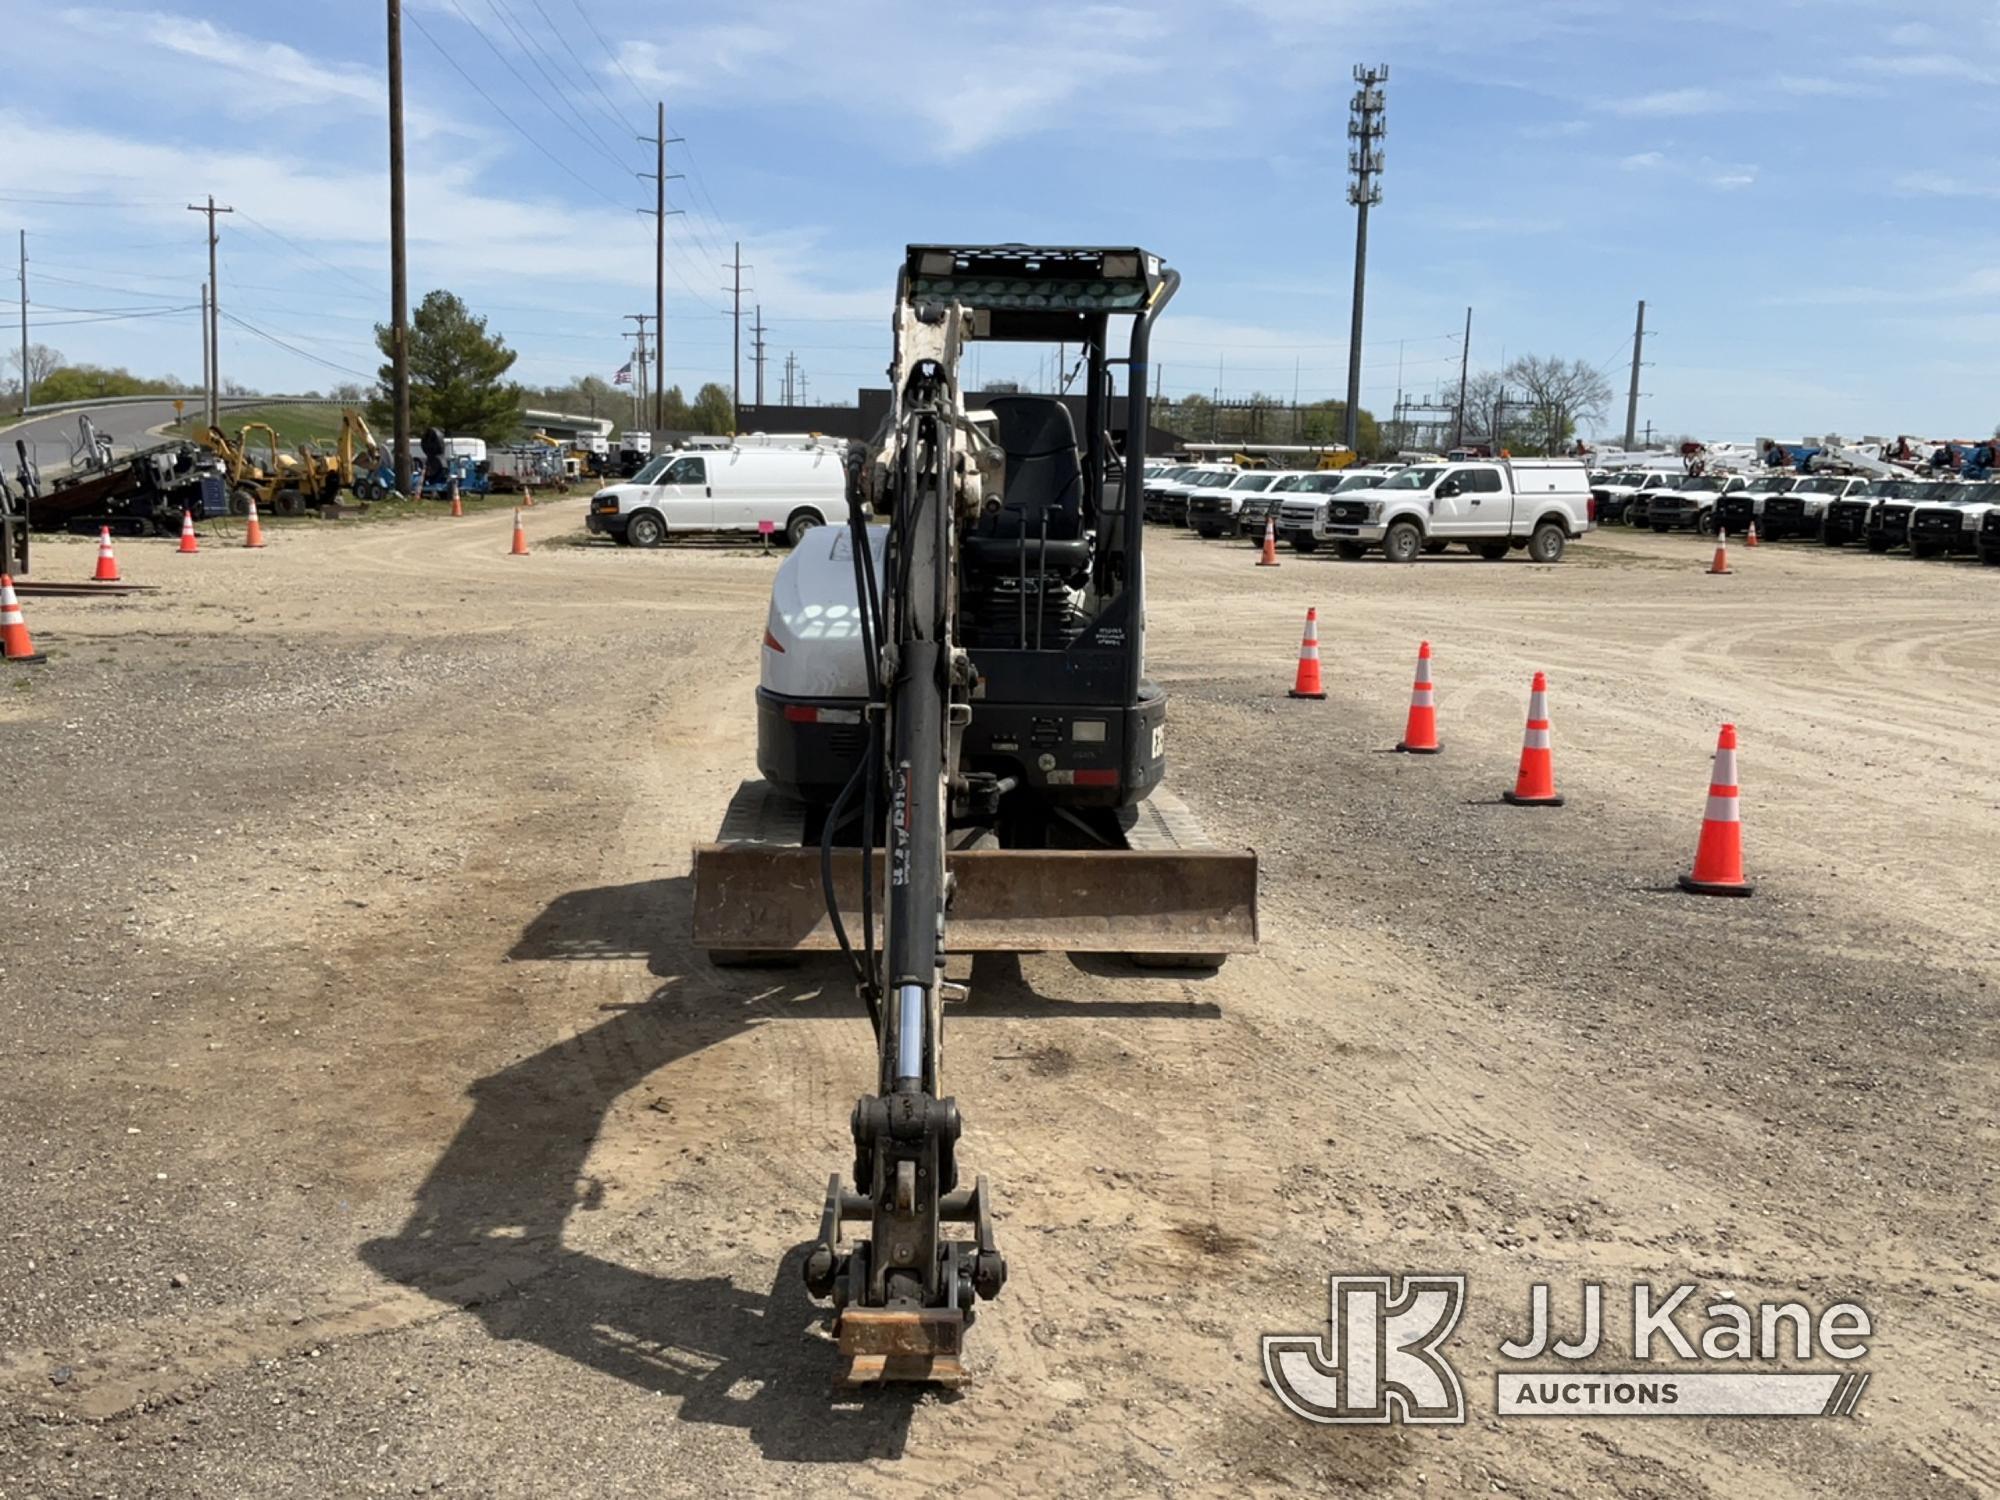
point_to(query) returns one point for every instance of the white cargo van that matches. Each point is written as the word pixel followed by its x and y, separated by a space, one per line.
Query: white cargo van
pixel 1534 503
pixel 724 489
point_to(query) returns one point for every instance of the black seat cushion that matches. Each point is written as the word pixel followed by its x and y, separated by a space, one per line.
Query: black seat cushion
pixel 1043 493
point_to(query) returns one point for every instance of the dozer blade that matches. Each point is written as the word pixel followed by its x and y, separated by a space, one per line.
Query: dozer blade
pixel 767 898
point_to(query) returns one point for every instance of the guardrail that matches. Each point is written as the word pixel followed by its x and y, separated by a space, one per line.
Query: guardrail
pixel 191 398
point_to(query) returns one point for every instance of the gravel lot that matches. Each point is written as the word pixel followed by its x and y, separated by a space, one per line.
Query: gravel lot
pixel 372 1129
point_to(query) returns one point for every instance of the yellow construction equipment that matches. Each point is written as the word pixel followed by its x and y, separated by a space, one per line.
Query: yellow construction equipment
pixel 258 470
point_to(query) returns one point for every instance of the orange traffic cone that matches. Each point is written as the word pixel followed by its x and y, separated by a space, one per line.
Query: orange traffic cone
pixel 520 548
pixel 188 543
pixel 107 560
pixel 15 644
pixel 457 509
pixel 1270 557
pixel 1721 563
pixel 1535 783
pixel 253 533
pixel 1307 685
pixel 1718 858
pixel 1751 539
pixel 1420 733
pixel 527 497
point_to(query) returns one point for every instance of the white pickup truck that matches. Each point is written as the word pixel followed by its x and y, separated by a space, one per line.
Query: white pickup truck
pixel 1492 507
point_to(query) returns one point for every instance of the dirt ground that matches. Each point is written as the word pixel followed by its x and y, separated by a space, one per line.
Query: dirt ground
pixel 370 1127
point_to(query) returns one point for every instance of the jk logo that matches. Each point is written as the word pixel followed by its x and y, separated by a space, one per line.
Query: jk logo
pixel 1379 1361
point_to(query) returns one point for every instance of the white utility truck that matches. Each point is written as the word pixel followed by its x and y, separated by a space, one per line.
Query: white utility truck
pixel 1491 506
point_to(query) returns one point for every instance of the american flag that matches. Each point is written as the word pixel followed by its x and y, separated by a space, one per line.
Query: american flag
pixel 624 375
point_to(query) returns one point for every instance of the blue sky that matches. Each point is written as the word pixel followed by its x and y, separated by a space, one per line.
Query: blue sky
pixel 1805 193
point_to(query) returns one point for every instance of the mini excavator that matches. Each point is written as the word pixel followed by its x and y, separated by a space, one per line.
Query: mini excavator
pixel 961 753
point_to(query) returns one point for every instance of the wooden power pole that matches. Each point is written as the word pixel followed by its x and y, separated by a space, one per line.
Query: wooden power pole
pixel 399 279
pixel 214 314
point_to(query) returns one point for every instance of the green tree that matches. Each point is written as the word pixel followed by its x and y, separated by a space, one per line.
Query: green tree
pixel 1326 422
pixel 675 416
pixel 85 382
pixel 713 412
pixel 456 373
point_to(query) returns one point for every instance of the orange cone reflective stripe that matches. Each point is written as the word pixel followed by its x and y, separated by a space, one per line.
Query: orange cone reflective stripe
pixel 1718 858
pixel 1721 563
pixel 1420 734
pixel 1270 557
pixel 1535 782
pixel 1307 684
pixel 15 643
pixel 107 560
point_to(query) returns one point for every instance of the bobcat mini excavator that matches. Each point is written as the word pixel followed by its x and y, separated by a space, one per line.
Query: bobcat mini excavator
pixel 961 753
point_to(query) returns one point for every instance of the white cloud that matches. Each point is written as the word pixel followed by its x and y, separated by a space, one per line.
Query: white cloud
pixel 1814 86
pixel 1934 184
pixel 1666 103
pixel 242 75
pixel 1936 65
pixel 1556 130
pixel 1706 170
pixel 941 91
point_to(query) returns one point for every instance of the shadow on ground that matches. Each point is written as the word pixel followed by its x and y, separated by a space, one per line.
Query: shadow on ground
pixel 489 1216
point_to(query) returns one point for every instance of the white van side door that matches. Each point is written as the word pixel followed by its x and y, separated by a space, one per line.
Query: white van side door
pixel 682 494
pixel 742 487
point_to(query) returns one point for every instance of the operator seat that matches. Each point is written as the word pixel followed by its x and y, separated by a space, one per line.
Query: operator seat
pixel 1043 487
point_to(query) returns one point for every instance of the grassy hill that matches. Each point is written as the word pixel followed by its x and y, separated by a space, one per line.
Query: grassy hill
pixel 293 424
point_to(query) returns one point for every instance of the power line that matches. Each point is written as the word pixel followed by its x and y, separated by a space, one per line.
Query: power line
pixel 519 130
pixel 637 92
pixel 114 317
pixel 259 224
pixel 506 18
pixel 589 77
pixel 272 338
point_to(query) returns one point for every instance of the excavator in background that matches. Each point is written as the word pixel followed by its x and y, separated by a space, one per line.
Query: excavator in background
pixel 288 483
pixel 962 753
pixel 258 470
pixel 352 464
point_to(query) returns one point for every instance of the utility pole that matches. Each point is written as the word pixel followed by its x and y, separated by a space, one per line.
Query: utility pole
pixel 1464 368
pixel 204 340
pixel 1364 191
pixel 757 331
pixel 799 380
pixel 214 312
pixel 399 279
pixel 27 380
pixel 736 338
pixel 639 363
pixel 787 386
pixel 661 140
pixel 1632 394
